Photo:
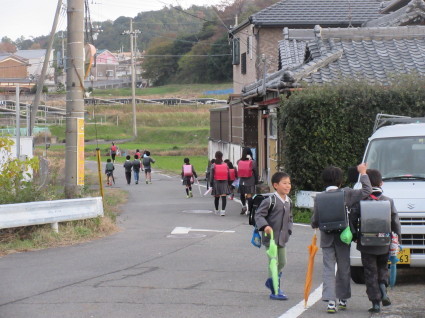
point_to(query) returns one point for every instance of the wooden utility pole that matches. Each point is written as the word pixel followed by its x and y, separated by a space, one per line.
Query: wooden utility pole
pixel 40 82
pixel 74 154
pixel 133 74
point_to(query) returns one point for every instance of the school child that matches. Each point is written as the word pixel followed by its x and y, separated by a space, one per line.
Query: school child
pixel 233 176
pixel 147 160
pixel 139 155
pixel 208 172
pixel 337 287
pixel 136 168
pixel 375 258
pixel 280 221
pixel 109 171
pixel 248 178
pixel 127 168
pixel 188 173
pixel 219 181
pixel 113 150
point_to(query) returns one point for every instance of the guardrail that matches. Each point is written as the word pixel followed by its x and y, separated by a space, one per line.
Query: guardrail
pixel 49 212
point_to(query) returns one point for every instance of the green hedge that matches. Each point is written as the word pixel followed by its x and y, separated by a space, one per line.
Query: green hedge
pixel 330 125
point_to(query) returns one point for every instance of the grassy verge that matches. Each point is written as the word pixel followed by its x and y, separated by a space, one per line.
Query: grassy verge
pixel 302 215
pixel 41 236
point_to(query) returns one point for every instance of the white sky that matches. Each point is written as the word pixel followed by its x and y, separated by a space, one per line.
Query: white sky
pixel 35 17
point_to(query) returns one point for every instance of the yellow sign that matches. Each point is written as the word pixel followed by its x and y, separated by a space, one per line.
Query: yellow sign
pixel 80 151
pixel 404 256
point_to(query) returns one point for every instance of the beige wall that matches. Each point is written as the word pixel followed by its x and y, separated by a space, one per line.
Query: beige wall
pixel 264 40
pixel 10 68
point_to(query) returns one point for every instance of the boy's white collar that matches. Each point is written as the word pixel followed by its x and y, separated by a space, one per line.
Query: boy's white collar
pixel 286 197
pixel 332 188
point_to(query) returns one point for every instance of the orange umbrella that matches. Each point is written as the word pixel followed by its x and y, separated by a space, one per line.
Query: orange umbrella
pixel 310 269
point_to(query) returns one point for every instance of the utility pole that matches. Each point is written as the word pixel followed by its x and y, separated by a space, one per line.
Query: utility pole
pixel 18 123
pixel 74 154
pixel 40 82
pixel 133 34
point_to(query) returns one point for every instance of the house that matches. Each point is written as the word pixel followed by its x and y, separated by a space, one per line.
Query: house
pixel 105 66
pixel 315 55
pixel 13 71
pixel 36 60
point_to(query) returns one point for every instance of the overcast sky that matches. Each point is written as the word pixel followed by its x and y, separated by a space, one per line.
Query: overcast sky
pixel 35 17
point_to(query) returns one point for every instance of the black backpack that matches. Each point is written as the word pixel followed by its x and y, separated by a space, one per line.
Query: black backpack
pixel 332 211
pixel 257 199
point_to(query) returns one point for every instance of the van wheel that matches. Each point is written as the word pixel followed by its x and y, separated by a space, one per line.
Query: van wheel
pixel 357 274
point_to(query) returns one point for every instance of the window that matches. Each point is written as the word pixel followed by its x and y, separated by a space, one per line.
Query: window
pixel 236 52
pixel 243 63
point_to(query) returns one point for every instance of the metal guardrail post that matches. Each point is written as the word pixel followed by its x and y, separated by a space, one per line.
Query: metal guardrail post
pixel 99 171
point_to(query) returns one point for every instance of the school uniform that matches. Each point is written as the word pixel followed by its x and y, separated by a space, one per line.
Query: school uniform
pixel 147 163
pixel 280 219
pixel 247 184
pixel 136 170
pixel 219 187
pixel 375 258
pixel 127 168
pixel 337 252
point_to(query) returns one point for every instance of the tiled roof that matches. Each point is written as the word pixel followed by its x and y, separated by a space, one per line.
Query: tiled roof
pixel 373 54
pixel 412 13
pixel 326 13
pixel 31 54
pixel 5 56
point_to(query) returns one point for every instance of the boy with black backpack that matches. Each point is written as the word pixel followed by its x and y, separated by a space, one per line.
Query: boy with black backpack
pixel 275 214
pixel 336 287
pixel 375 247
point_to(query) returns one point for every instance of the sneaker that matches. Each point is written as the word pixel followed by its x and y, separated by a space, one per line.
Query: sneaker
pixel 137 182
pixel 146 181
pixel 190 194
pixel 280 295
pixel 342 304
pixel 222 213
pixel 386 301
pixel 331 307
pixel 244 209
pixel 375 307
pixel 187 197
pixel 150 182
pixel 216 212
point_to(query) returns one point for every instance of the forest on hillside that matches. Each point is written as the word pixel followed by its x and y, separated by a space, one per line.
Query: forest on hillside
pixel 180 45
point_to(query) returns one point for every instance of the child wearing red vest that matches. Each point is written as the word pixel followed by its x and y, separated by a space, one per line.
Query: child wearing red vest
pixel 248 178
pixel 188 173
pixel 219 180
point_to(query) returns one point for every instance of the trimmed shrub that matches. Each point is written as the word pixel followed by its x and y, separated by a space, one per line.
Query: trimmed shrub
pixel 330 124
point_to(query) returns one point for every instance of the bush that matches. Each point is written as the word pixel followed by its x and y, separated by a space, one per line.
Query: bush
pixel 330 125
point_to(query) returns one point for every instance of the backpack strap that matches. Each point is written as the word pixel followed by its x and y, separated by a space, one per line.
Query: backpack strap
pixel 272 203
pixel 374 197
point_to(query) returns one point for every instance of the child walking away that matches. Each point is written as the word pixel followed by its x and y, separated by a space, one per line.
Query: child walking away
pixel 114 149
pixel 279 220
pixel 188 173
pixel 248 178
pixel 375 247
pixel 127 168
pixel 136 168
pixel 336 287
pixel 109 171
pixel 147 160
pixel 208 172
pixel 232 177
pixel 219 181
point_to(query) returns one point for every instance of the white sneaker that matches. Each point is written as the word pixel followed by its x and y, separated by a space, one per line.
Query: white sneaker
pixel 216 212
pixel 222 213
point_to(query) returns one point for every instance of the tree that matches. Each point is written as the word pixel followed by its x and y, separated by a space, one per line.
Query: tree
pixel 159 68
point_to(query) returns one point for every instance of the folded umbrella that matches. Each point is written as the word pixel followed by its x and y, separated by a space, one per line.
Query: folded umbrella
pixel 272 253
pixel 199 186
pixel 312 249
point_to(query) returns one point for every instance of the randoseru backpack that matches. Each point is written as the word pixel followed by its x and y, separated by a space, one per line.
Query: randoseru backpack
pixel 332 211
pixel 375 222
pixel 257 199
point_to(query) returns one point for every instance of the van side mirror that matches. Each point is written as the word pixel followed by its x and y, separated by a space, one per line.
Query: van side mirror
pixel 353 175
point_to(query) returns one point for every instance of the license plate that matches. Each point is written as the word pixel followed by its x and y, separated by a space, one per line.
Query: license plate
pixel 404 256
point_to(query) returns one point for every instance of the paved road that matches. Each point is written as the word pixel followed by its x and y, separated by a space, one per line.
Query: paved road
pixel 144 271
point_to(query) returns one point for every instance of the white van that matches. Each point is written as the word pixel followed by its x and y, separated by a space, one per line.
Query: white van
pixel 398 152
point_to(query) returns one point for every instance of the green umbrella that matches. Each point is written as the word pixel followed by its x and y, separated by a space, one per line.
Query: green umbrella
pixel 272 253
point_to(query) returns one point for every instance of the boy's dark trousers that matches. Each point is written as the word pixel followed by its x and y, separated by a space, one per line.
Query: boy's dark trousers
pixel 128 176
pixel 375 273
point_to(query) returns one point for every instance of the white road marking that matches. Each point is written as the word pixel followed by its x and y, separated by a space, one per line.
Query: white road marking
pixel 186 230
pixel 299 308
pixel 161 174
